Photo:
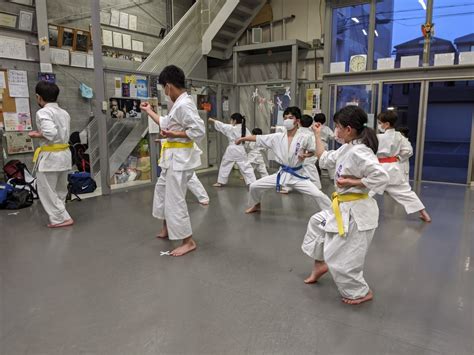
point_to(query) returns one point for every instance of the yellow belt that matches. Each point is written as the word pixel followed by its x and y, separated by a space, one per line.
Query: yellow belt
pixel 49 148
pixel 167 145
pixel 336 199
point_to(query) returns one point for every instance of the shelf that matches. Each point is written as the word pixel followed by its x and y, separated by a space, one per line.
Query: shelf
pixel 33 33
pixel 125 50
pixel 132 31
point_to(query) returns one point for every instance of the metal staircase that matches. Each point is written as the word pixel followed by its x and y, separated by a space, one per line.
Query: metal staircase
pixel 209 28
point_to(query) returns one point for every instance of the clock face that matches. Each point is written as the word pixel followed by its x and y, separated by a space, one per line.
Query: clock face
pixel 358 63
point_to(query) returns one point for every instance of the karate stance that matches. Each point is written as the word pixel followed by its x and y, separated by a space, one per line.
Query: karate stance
pixel 290 149
pixel 255 155
pixel 235 153
pixel 180 156
pixel 53 158
pixel 338 238
pixel 394 150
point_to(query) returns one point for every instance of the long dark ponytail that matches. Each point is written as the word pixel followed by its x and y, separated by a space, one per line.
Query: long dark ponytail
pixel 356 118
pixel 239 119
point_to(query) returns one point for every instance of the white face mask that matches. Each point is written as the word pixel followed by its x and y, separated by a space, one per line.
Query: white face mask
pixel 336 138
pixel 289 124
pixel 380 128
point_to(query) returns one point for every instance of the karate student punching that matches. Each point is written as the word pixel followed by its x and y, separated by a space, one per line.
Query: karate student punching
pixel 394 150
pixel 53 158
pixel 338 238
pixel 290 148
pixel 179 157
pixel 235 153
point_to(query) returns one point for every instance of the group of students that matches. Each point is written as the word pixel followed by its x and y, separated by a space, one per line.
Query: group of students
pixel 337 237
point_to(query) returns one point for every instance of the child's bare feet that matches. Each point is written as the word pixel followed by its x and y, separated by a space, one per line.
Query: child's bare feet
pixel 163 233
pixel 188 246
pixel 368 297
pixel 424 216
pixel 320 268
pixel 253 209
pixel 66 223
pixel 217 185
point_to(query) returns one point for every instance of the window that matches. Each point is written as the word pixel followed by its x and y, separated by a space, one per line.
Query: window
pixel 398 29
pixel 453 27
pixel 349 32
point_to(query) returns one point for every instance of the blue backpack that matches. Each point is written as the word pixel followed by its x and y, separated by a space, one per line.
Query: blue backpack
pixel 5 189
pixel 80 183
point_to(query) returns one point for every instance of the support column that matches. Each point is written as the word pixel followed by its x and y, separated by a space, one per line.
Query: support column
pixel 42 25
pixel 371 37
pixel 427 44
pixel 99 92
pixel 235 81
pixel 294 74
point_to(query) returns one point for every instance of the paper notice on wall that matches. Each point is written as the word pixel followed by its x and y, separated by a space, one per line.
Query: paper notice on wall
pixel 90 61
pixel 14 121
pixel 22 105
pixel 18 142
pixel 133 90
pixel 370 120
pixel 132 22
pixel 337 67
pixel 46 68
pixel 410 61
pixel 385 63
pixel 2 80
pixel 123 22
pixel 18 83
pixel 114 18
pixel 118 86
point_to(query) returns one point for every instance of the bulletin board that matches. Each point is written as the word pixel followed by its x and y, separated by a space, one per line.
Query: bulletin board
pixel 15 112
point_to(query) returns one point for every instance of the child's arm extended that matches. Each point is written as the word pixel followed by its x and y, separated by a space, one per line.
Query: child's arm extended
pixel 246 139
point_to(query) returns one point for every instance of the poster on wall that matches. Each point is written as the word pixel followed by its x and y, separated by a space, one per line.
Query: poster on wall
pixel 17 121
pixel 313 100
pixel 142 86
pixel 125 108
pixel 282 102
pixel 48 77
pixel 18 143
pixel 18 83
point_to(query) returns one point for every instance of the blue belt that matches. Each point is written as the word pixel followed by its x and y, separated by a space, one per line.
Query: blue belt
pixel 289 170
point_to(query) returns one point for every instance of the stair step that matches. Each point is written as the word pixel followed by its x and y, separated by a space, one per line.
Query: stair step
pixel 226 34
pixel 235 22
pixel 220 45
pixel 241 8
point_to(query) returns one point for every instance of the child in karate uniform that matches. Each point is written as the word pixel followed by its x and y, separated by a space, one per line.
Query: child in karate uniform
pixel 235 153
pixel 255 155
pixel 181 127
pixel 406 164
pixel 394 150
pixel 290 149
pixel 53 158
pixel 338 238
pixel 326 135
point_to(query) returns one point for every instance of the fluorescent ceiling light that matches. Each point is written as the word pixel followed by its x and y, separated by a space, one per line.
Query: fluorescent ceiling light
pixel 391 108
pixel 422 3
pixel 376 33
pixel 364 32
pixel 355 19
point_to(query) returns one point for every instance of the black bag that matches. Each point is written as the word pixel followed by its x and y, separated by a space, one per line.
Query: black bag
pixel 80 183
pixel 19 176
pixel 19 198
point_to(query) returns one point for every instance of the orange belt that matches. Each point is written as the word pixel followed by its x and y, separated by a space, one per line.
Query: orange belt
pixel 388 160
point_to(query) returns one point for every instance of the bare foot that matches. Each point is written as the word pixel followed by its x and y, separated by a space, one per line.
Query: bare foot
pixel 163 233
pixel 368 297
pixel 320 268
pixel 66 223
pixel 424 216
pixel 188 246
pixel 204 203
pixel 217 185
pixel 253 209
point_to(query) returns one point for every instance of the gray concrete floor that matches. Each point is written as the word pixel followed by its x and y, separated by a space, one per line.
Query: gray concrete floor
pixel 101 287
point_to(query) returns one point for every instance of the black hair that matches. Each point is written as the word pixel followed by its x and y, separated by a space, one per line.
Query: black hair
pixel 171 74
pixel 356 118
pixel 306 121
pixel 257 131
pixel 48 91
pixel 320 118
pixel 239 119
pixel 388 116
pixel 405 131
pixel 293 110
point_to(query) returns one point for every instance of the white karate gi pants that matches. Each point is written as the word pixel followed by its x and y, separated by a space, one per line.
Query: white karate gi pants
pixel 404 195
pixel 169 202
pixel 305 186
pixel 244 166
pixel 344 256
pixel 261 169
pixel 197 189
pixel 52 191
pixel 311 171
